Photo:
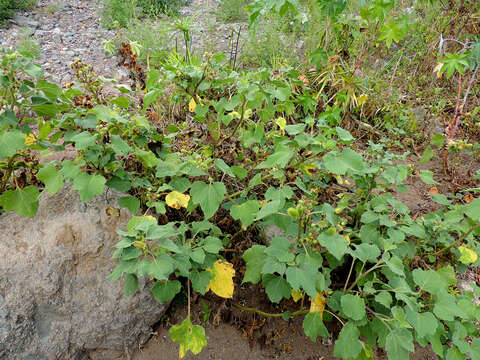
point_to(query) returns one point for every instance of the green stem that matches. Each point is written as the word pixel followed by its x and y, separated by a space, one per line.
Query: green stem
pixel 265 314
pixel 456 243
pixel 376 266
pixel 348 277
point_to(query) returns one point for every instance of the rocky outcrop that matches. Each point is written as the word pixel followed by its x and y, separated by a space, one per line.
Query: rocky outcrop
pixel 55 299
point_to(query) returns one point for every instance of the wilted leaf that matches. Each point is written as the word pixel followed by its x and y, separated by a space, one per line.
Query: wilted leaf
pixel 318 304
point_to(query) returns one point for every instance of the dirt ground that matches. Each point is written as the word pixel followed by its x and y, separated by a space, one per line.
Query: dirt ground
pixel 276 339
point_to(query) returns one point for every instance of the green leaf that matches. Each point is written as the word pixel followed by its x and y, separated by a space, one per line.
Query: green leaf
pixel 278 159
pixel 366 252
pixel 395 264
pixel 131 284
pixel 254 258
pixel 200 281
pixel 427 155
pixel 313 326
pixel 23 201
pixel 295 129
pixel 51 177
pixel 399 344
pixel 212 244
pixel 10 142
pixel 190 337
pixel 166 291
pixel 427 177
pixel 222 166
pixel 446 308
pixel 347 160
pixel 269 208
pixel 279 249
pixel 336 245
pixel 89 185
pixel 453 62
pixel 392 31
pixel 84 140
pixel 425 324
pixel 70 170
pixel 208 196
pixel 119 146
pixel 429 280
pixel 239 172
pixel 245 212
pixel 353 306
pixel 454 354
pixel 129 202
pixel 348 346
pixel 161 267
pixel 344 135
pixel 384 298
pixel 472 210
pixel 276 287
pixel 303 277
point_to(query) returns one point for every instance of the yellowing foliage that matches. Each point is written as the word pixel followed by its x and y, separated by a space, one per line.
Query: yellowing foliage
pixel 222 279
pixel 318 304
pixel 297 295
pixel 192 105
pixel 177 200
pixel 30 139
pixel 468 256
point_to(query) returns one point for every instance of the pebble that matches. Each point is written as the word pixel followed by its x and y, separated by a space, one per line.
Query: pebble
pixel 72 31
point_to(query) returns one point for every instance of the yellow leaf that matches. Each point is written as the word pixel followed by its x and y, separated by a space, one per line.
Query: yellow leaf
pixel 222 279
pixel 281 122
pixel 192 105
pixel 468 256
pixel 318 305
pixel 30 139
pixel 177 200
pixel 437 70
pixel 362 99
pixel 297 295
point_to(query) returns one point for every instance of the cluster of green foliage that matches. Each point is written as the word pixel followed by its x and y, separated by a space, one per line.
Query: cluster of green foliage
pixel 8 7
pixel 259 147
pixel 119 13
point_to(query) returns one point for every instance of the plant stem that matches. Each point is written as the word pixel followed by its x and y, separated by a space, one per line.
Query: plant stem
pixel 188 297
pixel 454 120
pixel 348 277
pixel 366 49
pixel 263 313
pixel 458 242
pixel 376 266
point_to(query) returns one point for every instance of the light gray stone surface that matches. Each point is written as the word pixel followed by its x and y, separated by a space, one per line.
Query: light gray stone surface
pixel 55 299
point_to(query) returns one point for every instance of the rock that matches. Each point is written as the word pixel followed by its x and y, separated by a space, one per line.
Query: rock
pixel 24 21
pixel 121 74
pixel 55 299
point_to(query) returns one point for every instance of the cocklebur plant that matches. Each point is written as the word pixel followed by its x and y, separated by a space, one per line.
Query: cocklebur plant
pixel 350 248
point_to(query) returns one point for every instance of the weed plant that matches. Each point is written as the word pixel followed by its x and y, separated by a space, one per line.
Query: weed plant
pixel 232 11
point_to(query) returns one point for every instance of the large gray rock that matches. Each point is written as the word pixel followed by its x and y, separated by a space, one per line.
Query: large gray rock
pixel 55 299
